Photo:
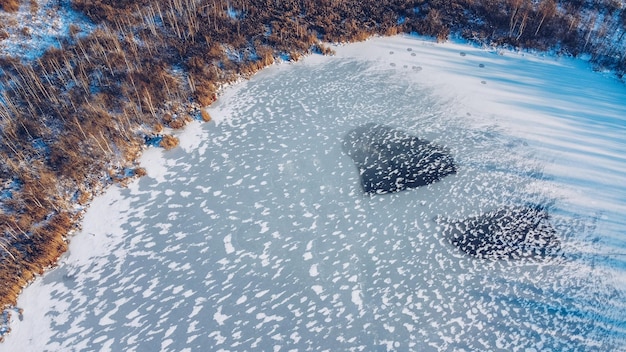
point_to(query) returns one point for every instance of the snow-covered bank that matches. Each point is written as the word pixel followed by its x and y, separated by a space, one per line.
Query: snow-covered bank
pixel 39 25
pixel 255 233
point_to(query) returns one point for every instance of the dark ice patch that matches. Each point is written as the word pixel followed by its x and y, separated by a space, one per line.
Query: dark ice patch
pixel 505 233
pixel 390 160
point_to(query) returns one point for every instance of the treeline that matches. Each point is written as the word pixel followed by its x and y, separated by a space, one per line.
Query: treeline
pixel 76 118
pixel 573 27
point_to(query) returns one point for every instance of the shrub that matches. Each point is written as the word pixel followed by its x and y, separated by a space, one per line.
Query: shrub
pixel 140 172
pixel 25 32
pixel 167 118
pixel 10 5
pixel 179 122
pixel 84 197
pixel 206 117
pixel 74 30
pixel 205 93
pixel 176 124
pixel 168 142
pixel 320 48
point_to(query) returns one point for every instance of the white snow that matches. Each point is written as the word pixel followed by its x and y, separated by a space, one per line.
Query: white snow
pixel 357 299
pixel 193 138
pixel 318 289
pixel 219 317
pixel 32 32
pixel 228 245
pixel 153 161
pixel 313 270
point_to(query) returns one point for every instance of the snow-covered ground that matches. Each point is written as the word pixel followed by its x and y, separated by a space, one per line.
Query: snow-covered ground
pixel 256 235
pixel 39 25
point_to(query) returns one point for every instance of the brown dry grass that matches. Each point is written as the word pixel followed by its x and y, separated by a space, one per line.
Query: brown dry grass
pixel 168 142
pixel 10 5
pixel 180 122
pixel 40 250
pixel 84 197
pixel 140 172
pixel 206 117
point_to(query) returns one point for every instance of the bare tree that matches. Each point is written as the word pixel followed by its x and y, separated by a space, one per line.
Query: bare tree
pixel 547 9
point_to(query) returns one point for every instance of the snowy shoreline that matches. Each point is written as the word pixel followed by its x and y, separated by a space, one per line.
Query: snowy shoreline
pixel 481 85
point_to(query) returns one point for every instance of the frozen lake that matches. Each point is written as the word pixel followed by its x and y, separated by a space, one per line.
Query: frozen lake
pixel 256 234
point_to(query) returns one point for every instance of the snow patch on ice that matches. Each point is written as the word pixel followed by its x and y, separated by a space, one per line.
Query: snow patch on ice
pixel 228 244
pixel 219 317
pixel 154 162
pixel 313 270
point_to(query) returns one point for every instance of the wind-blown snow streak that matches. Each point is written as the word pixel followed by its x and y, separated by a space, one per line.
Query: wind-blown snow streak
pixel 257 236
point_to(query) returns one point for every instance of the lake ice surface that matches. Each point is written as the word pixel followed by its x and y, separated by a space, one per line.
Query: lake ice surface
pixel 255 234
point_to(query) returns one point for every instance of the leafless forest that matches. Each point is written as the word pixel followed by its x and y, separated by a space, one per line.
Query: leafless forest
pixel 75 119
